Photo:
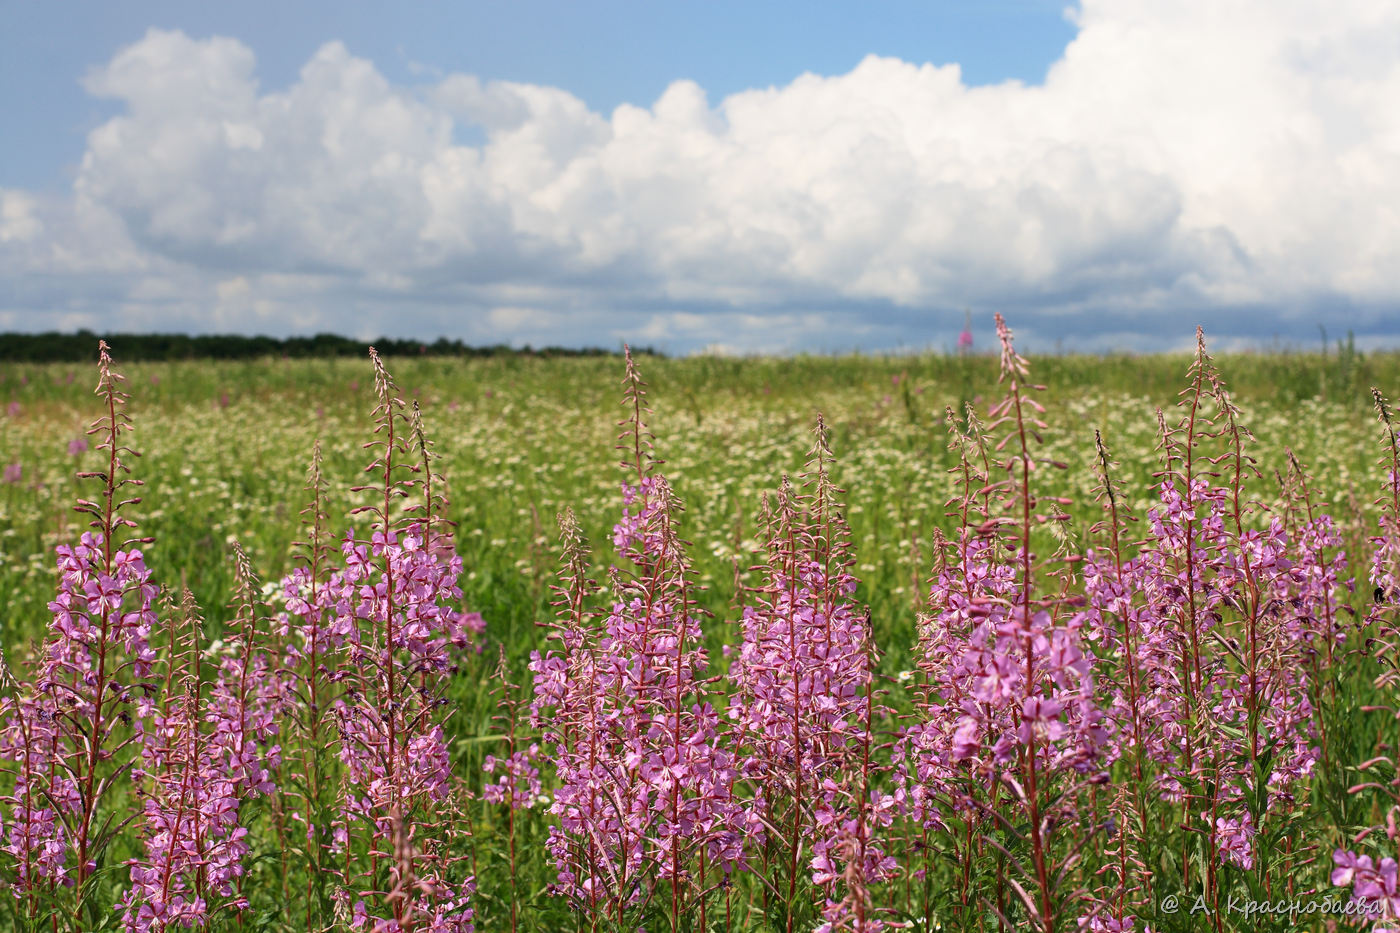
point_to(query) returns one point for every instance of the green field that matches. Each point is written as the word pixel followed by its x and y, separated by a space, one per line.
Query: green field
pixel 225 449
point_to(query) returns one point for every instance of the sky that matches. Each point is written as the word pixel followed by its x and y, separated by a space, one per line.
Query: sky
pixel 717 177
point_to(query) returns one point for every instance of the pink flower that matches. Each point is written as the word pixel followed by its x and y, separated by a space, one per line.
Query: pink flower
pixel 1234 838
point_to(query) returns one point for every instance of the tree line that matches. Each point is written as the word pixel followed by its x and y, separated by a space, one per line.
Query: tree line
pixel 56 347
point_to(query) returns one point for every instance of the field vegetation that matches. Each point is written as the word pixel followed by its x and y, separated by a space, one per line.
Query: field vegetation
pixel 906 642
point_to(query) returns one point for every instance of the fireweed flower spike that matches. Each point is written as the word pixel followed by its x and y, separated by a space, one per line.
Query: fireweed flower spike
pixel 1205 634
pixel 1128 637
pixel 70 732
pixel 644 798
pixel 565 687
pixel 194 843
pixel 1320 562
pixel 935 741
pixel 247 696
pixel 1385 563
pixel 1247 700
pixel 802 703
pixel 313 635
pixel 397 625
pixel 1013 735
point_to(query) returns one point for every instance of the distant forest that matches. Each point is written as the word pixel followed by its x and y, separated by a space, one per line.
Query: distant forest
pixel 55 347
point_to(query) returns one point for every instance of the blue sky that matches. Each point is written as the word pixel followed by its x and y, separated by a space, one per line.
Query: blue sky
pixel 605 52
pixel 722 176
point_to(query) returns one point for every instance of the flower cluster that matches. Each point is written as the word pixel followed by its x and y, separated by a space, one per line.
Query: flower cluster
pixel 356 663
pixel 1375 884
pixel 194 843
pixel 70 731
pixel 644 797
pixel 518 785
pixel 802 707
pixel 391 612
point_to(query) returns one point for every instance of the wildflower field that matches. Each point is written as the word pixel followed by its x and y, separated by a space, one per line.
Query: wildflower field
pixel 915 642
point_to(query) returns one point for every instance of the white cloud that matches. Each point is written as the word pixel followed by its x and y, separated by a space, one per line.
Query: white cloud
pixel 19 219
pixel 1212 158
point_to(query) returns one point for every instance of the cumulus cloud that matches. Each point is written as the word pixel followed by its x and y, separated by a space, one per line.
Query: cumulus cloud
pixel 1236 163
pixel 18 217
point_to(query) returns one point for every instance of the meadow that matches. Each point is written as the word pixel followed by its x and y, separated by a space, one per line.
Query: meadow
pixel 898 796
